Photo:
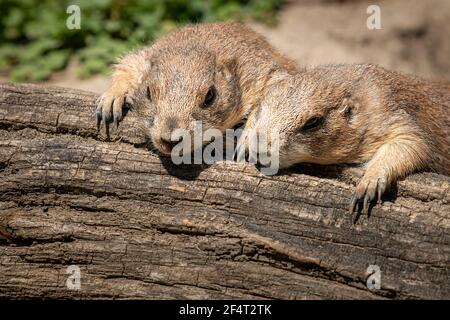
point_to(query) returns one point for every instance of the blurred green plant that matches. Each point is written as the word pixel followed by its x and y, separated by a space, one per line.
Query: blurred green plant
pixel 35 40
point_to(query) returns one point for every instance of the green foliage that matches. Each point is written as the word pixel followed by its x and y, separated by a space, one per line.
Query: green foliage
pixel 35 40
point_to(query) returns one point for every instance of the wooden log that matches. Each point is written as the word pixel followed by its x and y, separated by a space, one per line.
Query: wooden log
pixel 138 226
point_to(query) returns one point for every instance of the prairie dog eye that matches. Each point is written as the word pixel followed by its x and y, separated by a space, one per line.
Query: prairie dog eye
pixel 148 94
pixel 210 97
pixel 312 124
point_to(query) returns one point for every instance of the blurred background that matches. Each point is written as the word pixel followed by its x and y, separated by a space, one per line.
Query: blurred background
pixel 37 46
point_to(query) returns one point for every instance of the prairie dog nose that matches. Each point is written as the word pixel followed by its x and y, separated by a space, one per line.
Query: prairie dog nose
pixel 167 140
pixel 168 127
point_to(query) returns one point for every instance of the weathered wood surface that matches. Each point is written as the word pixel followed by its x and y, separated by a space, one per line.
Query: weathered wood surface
pixel 138 227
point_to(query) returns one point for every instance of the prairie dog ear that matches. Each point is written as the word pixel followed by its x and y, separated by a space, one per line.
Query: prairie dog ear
pixel 227 68
pixel 349 107
pixel 146 70
pixel 149 66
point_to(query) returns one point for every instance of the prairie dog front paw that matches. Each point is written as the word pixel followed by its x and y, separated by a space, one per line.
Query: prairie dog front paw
pixel 110 103
pixel 126 79
pixel 372 184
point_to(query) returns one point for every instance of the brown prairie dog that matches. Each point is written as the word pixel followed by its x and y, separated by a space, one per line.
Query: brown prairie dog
pixel 215 73
pixel 392 123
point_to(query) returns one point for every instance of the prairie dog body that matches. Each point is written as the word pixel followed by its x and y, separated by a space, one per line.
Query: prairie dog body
pixel 215 73
pixel 392 123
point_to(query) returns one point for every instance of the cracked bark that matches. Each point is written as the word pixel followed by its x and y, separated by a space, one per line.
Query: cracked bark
pixel 139 227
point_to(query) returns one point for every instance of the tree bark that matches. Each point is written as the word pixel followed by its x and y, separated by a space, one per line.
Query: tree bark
pixel 139 227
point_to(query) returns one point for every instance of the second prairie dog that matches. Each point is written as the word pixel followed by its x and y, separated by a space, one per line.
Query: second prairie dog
pixel 392 123
pixel 215 73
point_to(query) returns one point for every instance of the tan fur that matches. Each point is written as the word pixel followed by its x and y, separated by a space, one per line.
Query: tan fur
pixel 180 68
pixel 392 123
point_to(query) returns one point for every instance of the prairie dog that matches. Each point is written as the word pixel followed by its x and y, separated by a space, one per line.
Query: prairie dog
pixel 392 123
pixel 215 73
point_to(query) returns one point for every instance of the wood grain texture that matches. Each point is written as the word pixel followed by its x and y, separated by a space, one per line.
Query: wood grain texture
pixel 140 227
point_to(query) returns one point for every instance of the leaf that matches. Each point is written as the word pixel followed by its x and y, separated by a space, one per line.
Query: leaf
pixel 35 40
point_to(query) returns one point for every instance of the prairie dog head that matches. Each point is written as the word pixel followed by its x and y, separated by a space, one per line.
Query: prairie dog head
pixel 313 118
pixel 184 85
